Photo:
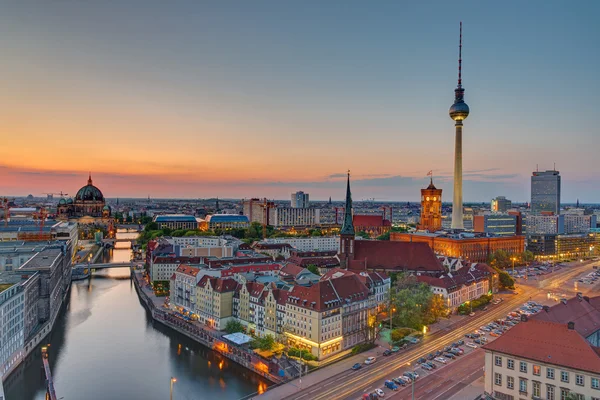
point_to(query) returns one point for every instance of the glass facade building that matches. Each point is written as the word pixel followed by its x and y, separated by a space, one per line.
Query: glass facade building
pixel 545 192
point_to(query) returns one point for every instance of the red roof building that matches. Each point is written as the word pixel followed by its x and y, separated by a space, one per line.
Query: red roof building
pixel 373 224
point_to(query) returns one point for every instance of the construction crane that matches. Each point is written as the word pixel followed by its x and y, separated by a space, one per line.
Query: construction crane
pixel 40 217
pixel 61 194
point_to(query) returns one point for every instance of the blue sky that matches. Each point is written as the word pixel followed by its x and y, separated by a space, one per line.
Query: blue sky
pixel 261 98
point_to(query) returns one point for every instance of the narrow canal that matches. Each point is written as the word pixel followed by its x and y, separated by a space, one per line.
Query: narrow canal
pixel 105 346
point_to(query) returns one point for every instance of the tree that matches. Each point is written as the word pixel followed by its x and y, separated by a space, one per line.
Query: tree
pixel 233 326
pixel 400 333
pixel 314 269
pixel 506 281
pixel 385 236
pixel 363 235
pixel 263 343
pixel 151 226
pixel 527 256
pixel 500 259
pixel 415 304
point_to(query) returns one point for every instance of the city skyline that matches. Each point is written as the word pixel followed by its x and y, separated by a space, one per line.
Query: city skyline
pixel 287 99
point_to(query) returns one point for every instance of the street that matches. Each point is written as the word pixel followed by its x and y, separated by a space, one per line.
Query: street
pixel 353 384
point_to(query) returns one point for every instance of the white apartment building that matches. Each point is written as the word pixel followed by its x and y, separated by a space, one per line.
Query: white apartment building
pixel 183 289
pixel 317 243
pixel 12 305
pixel 576 223
pixel 545 224
pixel 542 360
pixel 162 268
pixel 289 217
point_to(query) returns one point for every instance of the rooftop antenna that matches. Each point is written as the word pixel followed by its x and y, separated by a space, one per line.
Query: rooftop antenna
pixel 537 168
pixel 555 166
pixel 460 58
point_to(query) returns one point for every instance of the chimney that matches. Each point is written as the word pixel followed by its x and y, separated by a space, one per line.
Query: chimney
pixel 571 325
pixel 586 298
pixel 546 308
pixel 523 318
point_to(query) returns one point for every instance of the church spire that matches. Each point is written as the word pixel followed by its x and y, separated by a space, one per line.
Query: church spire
pixel 90 178
pixel 348 226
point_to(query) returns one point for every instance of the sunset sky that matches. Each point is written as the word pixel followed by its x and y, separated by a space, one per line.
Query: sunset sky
pixel 261 98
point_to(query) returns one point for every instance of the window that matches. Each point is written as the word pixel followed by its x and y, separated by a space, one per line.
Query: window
pixel 498 379
pixel 510 382
pixel 523 366
pixel 510 364
pixel 537 370
pixel 498 361
pixel 522 385
pixel 564 376
pixel 536 391
pixel 549 392
pixel 579 380
pixel 564 394
pixel 550 373
pixel 595 383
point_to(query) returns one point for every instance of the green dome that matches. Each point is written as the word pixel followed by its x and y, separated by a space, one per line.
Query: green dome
pixel 62 202
pixel 89 193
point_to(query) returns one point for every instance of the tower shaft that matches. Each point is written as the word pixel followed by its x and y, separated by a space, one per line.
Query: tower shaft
pixel 457 200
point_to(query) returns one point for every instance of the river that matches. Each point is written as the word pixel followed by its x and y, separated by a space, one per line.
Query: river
pixel 105 346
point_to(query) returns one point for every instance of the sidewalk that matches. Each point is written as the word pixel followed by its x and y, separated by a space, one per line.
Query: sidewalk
pixel 471 391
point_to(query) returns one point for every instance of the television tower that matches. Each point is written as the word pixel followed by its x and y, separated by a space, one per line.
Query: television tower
pixel 458 112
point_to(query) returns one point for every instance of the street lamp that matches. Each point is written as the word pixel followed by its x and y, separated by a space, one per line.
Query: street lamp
pixel 173 380
pixel 513 259
pixel 392 310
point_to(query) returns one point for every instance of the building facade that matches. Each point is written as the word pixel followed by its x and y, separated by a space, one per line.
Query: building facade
pixel 545 224
pixel 431 208
pixel 182 293
pixel 224 222
pixel 496 224
pixel 471 247
pixel 257 210
pixel 287 217
pixel 176 221
pixel 500 204
pixel 300 200
pixel 12 305
pixel 545 192
pixel 214 301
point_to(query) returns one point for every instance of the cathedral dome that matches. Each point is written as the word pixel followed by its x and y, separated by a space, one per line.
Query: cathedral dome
pixel 70 200
pixel 89 193
pixel 106 208
pixel 62 202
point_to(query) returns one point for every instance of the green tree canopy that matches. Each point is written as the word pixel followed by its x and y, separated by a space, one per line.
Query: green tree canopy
pixel 233 326
pixel 500 259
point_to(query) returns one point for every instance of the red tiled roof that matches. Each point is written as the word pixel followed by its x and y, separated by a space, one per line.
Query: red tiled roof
pixel 301 254
pixel 360 221
pixel 548 342
pixel 290 270
pixel 463 276
pixel 585 313
pixel 318 261
pixel 220 285
pixel 371 279
pixel 395 256
pixel 187 270
pixel 336 273
pixel 255 288
pixel 280 296
pixel 329 294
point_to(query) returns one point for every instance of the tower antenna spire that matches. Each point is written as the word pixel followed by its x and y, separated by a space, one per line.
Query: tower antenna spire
pixel 460 57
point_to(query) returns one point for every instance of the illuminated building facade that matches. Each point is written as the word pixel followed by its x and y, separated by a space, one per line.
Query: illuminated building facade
pixel 471 247
pixel 88 202
pixel 431 208
pixel 545 192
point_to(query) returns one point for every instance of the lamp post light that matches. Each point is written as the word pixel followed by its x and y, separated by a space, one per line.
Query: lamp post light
pixel 173 380
pixel 513 259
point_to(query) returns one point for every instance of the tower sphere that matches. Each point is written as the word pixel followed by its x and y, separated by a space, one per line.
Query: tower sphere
pixel 459 111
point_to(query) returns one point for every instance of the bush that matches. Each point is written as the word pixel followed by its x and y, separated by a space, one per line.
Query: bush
pixel 234 326
pixel 477 303
pixel 362 347
pixel 263 343
pixel 400 333
pixel 303 354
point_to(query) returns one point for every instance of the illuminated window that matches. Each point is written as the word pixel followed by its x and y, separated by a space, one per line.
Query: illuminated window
pixel 537 370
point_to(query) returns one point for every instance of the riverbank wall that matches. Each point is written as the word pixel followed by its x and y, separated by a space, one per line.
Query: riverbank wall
pixel 207 338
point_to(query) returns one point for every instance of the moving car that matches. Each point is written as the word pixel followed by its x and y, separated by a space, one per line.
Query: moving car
pixel 395 349
pixel 356 366
pixel 370 360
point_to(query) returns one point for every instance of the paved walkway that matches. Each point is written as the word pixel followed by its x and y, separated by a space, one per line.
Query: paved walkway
pixel 470 391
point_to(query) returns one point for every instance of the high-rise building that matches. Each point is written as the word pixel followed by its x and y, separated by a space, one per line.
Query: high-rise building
pixel 431 208
pixel 458 112
pixel 300 200
pixel 497 224
pixel 257 210
pixel 501 204
pixel 545 192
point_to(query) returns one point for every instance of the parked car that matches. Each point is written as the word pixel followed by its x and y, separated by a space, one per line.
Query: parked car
pixel 380 392
pixel 426 367
pixel 370 360
pixel 415 375
pixel 391 385
pixel 421 360
pixel 395 349
pixel 414 340
pixel 472 314
pixel 387 352
pixel 399 381
pixel 432 365
pixel 449 355
pixel 408 376
pixel 441 360
pixel 461 342
pixel 431 356
pixel 356 366
pixel 478 341
pixel 472 345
